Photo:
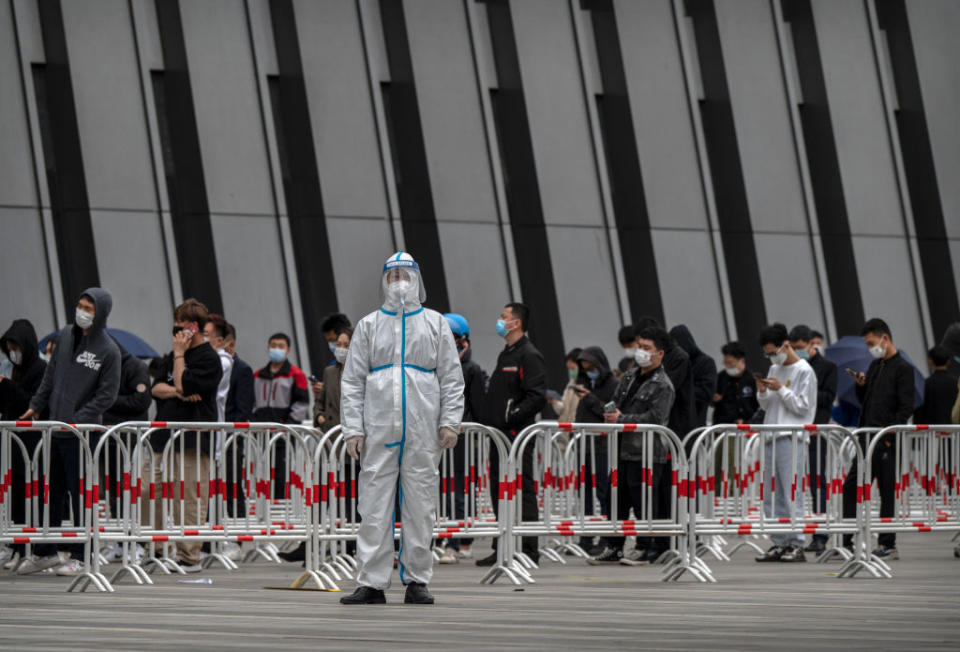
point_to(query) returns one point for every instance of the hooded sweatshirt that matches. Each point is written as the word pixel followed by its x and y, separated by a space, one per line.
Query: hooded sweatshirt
pixel 590 407
pixel 16 391
pixel 83 377
pixel 703 371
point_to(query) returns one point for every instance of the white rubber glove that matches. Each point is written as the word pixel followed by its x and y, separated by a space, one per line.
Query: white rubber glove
pixel 354 446
pixel 448 437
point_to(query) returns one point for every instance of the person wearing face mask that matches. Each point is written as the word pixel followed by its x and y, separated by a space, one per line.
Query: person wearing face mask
pixel 643 396
pixel 475 384
pixel 735 400
pixel 515 396
pixel 332 327
pixel 79 384
pixel 19 344
pixel 676 363
pixel 215 333
pixel 566 405
pixel 885 393
pixel 817 343
pixel 788 396
pixel 595 386
pixel 401 403
pixel 801 340
pixel 703 372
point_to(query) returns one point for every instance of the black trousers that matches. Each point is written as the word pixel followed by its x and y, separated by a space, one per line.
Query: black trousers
pixel 631 487
pixel 529 509
pixel 64 486
pixel 883 470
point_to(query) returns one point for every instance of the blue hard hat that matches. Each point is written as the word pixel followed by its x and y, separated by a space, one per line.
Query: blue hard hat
pixel 458 324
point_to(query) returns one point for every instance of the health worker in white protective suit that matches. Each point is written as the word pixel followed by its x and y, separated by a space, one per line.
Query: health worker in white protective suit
pixel 401 403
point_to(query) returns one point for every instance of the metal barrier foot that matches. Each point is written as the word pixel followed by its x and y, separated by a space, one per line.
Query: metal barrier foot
pixel 216 556
pixel 154 563
pixel 495 572
pixel 552 555
pixel 318 577
pixel 743 543
pixel 830 553
pixel 524 560
pixel 84 580
pixel 700 574
pixel 347 570
pixel 704 548
pixel 138 574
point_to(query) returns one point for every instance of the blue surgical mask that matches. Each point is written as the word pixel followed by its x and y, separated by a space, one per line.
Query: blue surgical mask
pixel 956 359
pixel 802 354
pixel 277 355
pixel 593 375
pixel 333 347
pixel 502 328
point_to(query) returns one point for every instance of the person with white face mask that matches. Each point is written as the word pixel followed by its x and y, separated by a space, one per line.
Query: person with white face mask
pixel 735 400
pixel 885 393
pixel 788 396
pixel 401 403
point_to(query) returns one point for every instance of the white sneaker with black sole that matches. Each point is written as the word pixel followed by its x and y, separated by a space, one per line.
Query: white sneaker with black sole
pixel 635 558
pixel 607 557
pixel 449 556
pixel 189 568
pixel 72 568
pixel 33 565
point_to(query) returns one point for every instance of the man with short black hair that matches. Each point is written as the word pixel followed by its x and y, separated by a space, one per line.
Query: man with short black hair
pixel 643 396
pixel 939 390
pixel 885 393
pixel 516 393
pixel 801 340
pixel 788 396
pixel 735 400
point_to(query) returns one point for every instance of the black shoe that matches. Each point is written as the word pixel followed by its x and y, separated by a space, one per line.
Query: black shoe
pixel 816 547
pixel 364 595
pixel 297 554
pixel 773 554
pixel 608 556
pixel 886 553
pixel 595 550
pixel 417 594
pixel 793 553
pixel 652 555
pixel 489 560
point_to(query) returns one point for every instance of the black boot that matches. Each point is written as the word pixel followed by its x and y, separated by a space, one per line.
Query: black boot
pixel 297 554
pixel 489 560
pixel 417 594
pixel 364 595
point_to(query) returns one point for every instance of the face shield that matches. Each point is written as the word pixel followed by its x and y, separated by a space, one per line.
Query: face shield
pixel 400 283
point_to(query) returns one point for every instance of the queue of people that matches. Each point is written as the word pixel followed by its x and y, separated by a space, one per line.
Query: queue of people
pixel 396 435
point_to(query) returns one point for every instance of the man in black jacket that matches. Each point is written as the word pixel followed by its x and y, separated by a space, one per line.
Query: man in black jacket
pixel 676 363
pixel 801 341
pixel 736 397
pixel 133 396
pixel 516 394
pixel 186 391
pixel 595 385
pixel 885 393
pixel 939 390
pixel 703 373
pixel 19 344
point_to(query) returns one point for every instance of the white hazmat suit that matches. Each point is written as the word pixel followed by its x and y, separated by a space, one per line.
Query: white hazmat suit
pixel 402 383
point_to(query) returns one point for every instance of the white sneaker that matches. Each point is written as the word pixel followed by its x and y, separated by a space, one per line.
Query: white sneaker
pixel 113 553
pixel 465 554
pixel 10 563
pixel 232 551
pixel 36 564
pixel 6 554
pixel 449 556
pixel 72 568
pixel 139 554
pixel 189 568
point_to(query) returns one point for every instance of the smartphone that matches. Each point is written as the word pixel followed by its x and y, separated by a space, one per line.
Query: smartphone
pixel 758 376
pixel 313 379
pixel 852 372
pixel 610 408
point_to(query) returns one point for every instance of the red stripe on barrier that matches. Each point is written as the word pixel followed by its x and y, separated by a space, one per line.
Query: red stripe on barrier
pixel 28 530
pixel 744 528
pixel 244 537
pixel 866 491
pixel 21 539
pixel 922 427
pixel 613 478
pixel 565 426
pixel 812 427
pixel 923 528
pixel 241 424
pixel 158 424
pixel 160 537
pixel 629 427
pixel 743 426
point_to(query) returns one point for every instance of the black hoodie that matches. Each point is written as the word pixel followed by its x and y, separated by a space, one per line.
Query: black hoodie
pixel 703 371
pixel 590 407
pixel 16 391
pixel 83 377
pixel 133 397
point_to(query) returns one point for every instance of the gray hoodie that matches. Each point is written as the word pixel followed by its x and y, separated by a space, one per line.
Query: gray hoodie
pixel 83 376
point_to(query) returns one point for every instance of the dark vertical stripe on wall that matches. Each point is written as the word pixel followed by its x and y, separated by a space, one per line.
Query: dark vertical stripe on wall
pixel 523 194
pixel 623 167
pixel 733 213
pixel 824 167
pixel 919 168
pixel 301 182
pixel 410 156
pixel 60 136
pixel 183 165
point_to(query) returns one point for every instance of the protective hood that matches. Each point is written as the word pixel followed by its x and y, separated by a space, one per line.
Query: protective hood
pixel 595 356
pixel 684 339
pixel 22 334
pixel 103 303
pixel 400 268
pixel 951 338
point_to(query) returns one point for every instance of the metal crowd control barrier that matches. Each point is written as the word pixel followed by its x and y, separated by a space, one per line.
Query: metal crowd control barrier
pixel 926 479
pixel 36 528
pixel 561 482
pixel 732 490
